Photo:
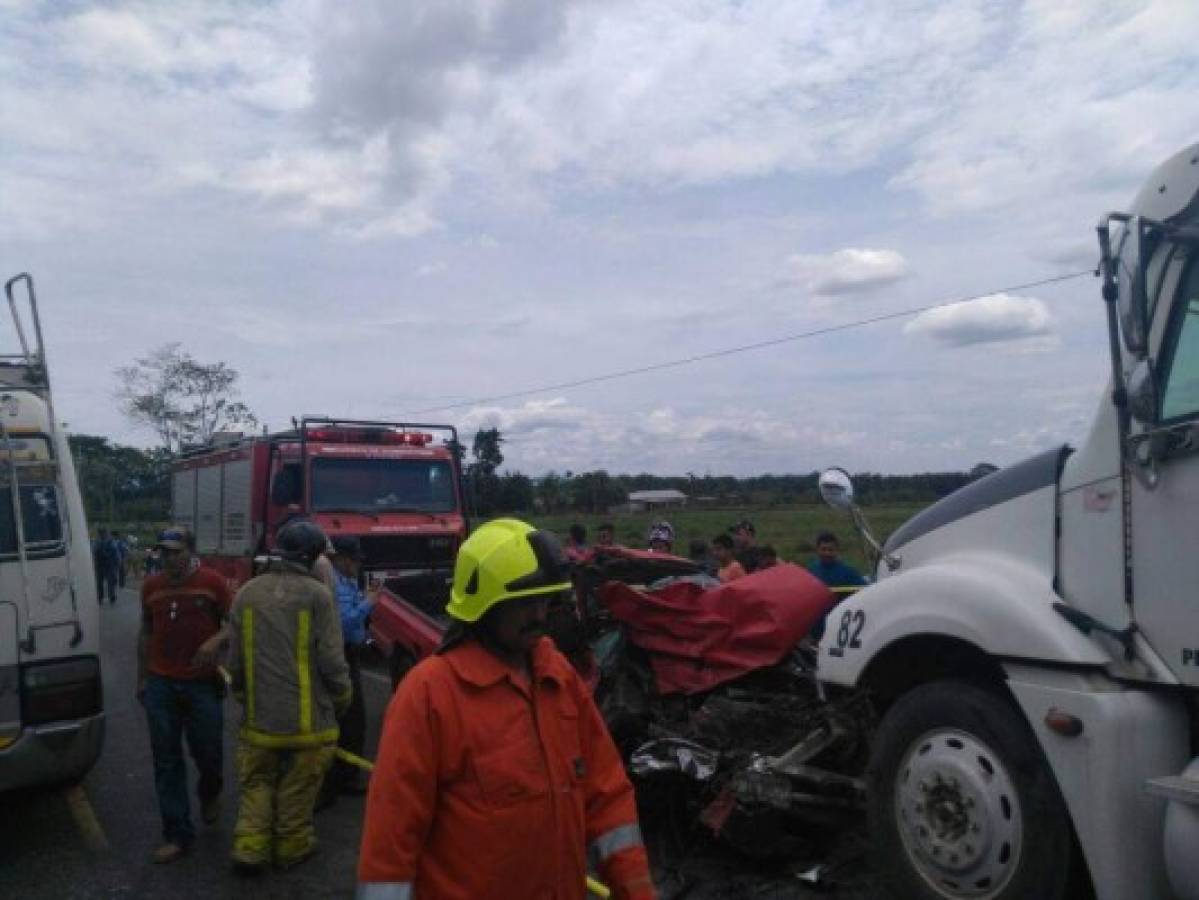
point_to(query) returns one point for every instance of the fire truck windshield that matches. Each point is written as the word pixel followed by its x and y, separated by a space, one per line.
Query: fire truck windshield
pixel 374 486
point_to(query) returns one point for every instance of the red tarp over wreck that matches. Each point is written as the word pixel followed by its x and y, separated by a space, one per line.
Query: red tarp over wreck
pixel 697 638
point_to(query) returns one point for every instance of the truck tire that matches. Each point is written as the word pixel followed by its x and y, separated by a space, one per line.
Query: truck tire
pixel 398 665
pixel 962 804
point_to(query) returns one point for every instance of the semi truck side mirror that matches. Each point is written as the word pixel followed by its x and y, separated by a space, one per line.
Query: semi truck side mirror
pixel 836 488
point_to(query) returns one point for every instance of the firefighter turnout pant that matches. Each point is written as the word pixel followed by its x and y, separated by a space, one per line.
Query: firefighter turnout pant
pixel 278 789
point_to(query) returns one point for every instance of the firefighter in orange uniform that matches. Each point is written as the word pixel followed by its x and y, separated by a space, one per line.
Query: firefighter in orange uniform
pixel 496 778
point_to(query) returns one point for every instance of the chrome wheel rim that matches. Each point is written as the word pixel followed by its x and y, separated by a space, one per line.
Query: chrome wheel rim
pixel 959 815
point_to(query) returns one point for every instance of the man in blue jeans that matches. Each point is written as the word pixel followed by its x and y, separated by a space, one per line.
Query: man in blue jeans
pixel 185 609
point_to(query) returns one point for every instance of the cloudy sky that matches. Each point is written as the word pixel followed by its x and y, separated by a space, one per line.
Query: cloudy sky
pixel 391 209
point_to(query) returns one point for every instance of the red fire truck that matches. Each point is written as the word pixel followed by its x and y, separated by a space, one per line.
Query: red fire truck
pixel 392 484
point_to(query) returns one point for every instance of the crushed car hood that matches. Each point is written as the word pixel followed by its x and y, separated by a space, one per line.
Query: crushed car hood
pixel 698 638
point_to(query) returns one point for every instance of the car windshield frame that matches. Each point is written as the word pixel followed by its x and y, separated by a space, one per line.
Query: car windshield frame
pixel 383 497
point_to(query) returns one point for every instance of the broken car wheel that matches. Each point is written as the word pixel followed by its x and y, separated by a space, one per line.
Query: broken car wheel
pixel 962 805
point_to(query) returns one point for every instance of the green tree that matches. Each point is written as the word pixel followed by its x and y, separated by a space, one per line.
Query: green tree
pixel 516 492
pixel 119 482
pixel 594 492
pixel 482 473
pixel 182 400
pixel 549 492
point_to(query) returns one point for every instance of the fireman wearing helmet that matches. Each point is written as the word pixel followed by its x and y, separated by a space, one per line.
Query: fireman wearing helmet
pixel 496 776
pixel 289 671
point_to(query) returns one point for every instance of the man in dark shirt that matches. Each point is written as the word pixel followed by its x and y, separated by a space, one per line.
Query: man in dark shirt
pixel 184 628
pixel 745 545
pixel 107 560
pixel 827 566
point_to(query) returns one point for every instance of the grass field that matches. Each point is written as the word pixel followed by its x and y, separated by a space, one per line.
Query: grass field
pixel 790 530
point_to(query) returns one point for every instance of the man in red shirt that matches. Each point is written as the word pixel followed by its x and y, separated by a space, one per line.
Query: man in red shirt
pixel 184 628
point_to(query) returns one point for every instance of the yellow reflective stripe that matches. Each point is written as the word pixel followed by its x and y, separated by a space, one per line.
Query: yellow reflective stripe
pixel 302 666
pixel 247 653
pixel 288 741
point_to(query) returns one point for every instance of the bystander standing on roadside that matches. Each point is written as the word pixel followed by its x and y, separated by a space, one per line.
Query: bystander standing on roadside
pixel 745 542
pixel 289 671
pixel 123 550
pixel 106 558
pixel 828 567
pixel 576 545
pixel 182 635
pixel 354 607
pixel 728 566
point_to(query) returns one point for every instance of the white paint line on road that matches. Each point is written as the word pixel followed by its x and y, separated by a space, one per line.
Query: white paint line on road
pixel 85 819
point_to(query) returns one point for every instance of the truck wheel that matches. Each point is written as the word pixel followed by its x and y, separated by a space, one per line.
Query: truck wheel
pixel 398 666
pixel 961 802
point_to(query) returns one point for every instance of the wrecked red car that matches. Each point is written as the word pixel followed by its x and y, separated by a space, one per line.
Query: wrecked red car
pixel 711 695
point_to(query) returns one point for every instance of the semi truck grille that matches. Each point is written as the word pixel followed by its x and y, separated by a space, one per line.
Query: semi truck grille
pixel 393 551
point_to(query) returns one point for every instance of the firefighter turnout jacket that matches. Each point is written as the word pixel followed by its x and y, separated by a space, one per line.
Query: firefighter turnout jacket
pixel 287 661
pixel 490 788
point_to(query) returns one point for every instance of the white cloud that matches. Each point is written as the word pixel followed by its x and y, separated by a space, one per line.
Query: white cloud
pixel 1064 75
pixel 531 417
pixel 608 185
pixel 847 271
pixel 999 317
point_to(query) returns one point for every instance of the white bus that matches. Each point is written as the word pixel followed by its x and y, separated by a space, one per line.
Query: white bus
pixel 51 704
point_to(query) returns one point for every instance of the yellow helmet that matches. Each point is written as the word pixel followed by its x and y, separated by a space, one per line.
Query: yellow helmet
pixel 505 559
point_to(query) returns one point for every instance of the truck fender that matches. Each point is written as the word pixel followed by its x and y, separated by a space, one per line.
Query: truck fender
pixel 989 601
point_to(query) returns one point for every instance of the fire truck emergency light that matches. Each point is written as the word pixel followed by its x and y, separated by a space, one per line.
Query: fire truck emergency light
pixel 369 436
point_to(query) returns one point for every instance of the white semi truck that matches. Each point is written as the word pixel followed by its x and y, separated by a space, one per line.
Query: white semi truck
pixel 1032 641
pixel 51 710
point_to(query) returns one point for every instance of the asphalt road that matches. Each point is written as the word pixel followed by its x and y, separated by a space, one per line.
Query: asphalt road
pixel 96 840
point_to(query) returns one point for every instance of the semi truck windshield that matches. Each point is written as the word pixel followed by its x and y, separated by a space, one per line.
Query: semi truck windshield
pixel 382 485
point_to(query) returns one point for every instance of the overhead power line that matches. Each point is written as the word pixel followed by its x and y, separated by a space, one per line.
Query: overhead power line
pixel 746 348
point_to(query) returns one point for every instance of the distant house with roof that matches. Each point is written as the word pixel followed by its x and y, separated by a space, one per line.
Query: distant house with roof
pixel 643 501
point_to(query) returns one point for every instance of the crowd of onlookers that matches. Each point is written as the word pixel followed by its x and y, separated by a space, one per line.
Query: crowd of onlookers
pixel 730 555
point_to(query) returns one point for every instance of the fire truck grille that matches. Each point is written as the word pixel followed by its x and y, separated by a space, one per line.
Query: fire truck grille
pixel 406 552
